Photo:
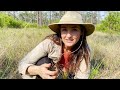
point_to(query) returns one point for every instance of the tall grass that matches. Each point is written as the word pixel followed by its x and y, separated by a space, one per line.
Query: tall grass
pixel 105 61
pixel 16 43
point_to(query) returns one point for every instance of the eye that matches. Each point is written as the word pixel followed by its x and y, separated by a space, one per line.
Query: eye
pixel 74 29
pixel 63 29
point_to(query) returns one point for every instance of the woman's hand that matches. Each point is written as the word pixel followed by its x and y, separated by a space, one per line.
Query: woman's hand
pixel 43 71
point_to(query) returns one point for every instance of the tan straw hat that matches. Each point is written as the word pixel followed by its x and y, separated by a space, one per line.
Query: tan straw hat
pixel 72 17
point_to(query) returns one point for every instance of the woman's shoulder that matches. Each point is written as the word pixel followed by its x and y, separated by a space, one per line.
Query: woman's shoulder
pixel 55 38
pixel 52 36
pixel 51 39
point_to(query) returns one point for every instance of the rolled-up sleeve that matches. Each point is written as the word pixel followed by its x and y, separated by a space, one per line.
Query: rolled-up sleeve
pixel 39 51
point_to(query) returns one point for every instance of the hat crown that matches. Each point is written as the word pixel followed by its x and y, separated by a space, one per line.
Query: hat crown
pixel 73 17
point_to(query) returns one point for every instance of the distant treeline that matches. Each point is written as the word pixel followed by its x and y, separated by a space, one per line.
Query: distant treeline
pixel 33 19
pixel 9 22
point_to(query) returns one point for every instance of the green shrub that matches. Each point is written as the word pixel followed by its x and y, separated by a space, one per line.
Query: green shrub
pixel 10 22
pixel 15 24
pixel 2 24
pixel 110 23
pixel 4 20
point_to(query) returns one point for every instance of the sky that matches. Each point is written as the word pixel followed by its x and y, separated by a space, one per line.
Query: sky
pixel 103 14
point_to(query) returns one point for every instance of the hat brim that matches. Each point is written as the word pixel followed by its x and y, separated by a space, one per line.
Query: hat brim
pixel 89 27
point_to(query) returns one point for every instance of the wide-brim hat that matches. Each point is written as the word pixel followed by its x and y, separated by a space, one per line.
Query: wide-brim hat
pixel 72 17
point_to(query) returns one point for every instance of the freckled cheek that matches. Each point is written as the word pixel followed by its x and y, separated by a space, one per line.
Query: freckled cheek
pixel 76 36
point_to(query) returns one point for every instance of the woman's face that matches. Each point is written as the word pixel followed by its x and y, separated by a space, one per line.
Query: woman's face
pixel 70 34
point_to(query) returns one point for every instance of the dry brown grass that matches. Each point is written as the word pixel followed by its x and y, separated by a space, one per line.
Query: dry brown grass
pixel 16 43
pixel 105 49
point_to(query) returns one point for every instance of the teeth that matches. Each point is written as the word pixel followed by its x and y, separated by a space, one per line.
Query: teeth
pixel 68 40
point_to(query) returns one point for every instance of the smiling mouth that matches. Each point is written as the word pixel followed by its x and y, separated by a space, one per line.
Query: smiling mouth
pixel 69 41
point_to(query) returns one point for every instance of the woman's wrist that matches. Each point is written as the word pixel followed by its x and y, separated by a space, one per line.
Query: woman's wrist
pixel 32 70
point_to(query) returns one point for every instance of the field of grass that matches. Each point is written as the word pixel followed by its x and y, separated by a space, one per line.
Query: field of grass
pixel 105 62
pixel 16 43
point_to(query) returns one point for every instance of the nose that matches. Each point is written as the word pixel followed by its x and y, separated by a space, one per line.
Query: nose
pixel 69 34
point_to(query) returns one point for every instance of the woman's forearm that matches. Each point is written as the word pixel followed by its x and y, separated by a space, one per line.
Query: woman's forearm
pixel 32 70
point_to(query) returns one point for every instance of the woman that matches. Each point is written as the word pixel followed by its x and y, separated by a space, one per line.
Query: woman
pixel 64 55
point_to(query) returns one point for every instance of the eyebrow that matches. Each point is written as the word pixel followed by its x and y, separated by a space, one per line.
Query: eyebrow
pixel 74 27
pixel 63 27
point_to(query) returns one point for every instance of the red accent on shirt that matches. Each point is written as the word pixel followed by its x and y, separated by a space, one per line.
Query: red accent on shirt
pixel 65 59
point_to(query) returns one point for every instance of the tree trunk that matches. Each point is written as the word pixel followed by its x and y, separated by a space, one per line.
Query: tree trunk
pixel 50 16
pixel 39 18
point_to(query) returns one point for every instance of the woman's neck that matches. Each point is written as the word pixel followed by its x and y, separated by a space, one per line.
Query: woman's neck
pixel 67 49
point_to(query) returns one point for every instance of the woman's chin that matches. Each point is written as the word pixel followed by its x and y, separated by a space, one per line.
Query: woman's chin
pixel 69 45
